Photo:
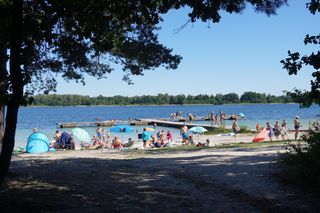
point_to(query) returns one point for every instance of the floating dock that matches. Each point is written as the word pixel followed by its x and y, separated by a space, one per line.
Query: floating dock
pixel 177 123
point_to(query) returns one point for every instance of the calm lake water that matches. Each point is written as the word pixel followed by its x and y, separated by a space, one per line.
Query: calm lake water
pixel 45 118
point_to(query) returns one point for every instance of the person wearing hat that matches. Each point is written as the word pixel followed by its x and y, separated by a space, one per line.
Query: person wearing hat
pixel 296 127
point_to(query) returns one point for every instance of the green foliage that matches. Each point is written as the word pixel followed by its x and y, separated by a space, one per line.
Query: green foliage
pixel 245 130
pixel 219 130
pixel 253 97
pixel 303 159
pixel 160 99
pixel 295 62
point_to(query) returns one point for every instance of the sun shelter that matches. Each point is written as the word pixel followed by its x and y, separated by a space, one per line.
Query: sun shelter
pixel 37 142
pixel 261 136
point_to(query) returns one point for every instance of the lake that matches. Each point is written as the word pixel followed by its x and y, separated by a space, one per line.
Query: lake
pixel 45 118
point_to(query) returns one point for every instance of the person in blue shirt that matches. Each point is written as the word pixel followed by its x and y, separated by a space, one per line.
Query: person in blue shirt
pixel 145 137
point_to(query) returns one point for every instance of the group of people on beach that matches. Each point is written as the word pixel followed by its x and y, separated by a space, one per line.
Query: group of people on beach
pixel 281 129
pixel 162 138
pixel 102 138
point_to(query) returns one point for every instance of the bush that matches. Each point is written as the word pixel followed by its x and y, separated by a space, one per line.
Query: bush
pixel 303 159
pixel 245 129
pixel 219 130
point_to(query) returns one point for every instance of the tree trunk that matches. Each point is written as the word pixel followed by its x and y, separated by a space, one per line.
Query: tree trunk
pixel 1 125
pixel 17 89
pixel 3 87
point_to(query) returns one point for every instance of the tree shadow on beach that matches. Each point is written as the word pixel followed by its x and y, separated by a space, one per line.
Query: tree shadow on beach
pixel 149 184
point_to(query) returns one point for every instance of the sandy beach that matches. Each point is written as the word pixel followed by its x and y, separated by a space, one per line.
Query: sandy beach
pixel 200 180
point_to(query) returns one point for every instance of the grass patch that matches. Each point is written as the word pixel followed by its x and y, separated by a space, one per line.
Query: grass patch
pixel 246 130
pixel 222 130
pixel 219 130
pixel 192 148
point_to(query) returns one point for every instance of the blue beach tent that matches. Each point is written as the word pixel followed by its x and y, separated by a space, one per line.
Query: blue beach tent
pixel 37 142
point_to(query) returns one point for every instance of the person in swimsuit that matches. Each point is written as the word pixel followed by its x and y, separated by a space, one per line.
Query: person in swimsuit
pixel 184 133
pixel 235 128
pixel 296 127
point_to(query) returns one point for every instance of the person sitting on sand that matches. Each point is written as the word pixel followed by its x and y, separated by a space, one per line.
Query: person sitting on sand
pixel 129 143
pixel 190 140
pixel 152 140
pixel 199 144
pixel 162 136
pixel 95 143
pixel 117 143
pixel 154 143
pixel 65 141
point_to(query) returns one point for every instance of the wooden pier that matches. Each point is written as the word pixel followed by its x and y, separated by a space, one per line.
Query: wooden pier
pixel 177 124
pixel 101 123
pixel 159 122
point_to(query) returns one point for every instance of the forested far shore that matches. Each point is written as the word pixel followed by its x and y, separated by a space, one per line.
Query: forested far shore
pixel 160 99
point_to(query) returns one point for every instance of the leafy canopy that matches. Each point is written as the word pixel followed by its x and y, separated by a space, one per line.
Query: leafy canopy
pixel 295 62
pixel 71 38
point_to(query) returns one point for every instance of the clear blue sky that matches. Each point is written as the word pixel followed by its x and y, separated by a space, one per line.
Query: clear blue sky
pixel 240 53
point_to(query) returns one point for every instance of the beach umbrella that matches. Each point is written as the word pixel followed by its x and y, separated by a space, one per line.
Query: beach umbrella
pixel 81 134
pixel 121 129
pixel 197 130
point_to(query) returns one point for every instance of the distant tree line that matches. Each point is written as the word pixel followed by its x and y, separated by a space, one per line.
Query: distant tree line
pixel 160 99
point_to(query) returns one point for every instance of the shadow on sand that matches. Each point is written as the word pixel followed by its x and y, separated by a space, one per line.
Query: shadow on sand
pixel 213 182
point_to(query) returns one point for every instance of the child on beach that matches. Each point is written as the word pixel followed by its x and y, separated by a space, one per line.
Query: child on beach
pixel 169 136
pixel 269 128
pixel 276 130
pixel 258 127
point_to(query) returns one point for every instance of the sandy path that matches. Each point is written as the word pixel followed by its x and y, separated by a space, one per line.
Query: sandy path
pixel 207 180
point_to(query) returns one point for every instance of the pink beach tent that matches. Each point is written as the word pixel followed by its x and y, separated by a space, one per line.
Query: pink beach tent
pixel 261 136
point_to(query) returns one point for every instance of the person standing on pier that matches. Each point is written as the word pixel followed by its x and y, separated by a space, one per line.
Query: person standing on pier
pixel 212 118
